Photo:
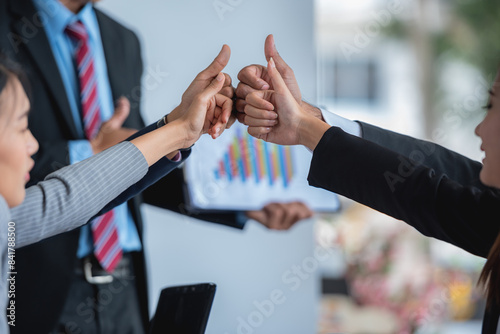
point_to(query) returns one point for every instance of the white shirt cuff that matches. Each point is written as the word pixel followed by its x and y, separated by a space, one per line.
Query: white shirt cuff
pixel 348 126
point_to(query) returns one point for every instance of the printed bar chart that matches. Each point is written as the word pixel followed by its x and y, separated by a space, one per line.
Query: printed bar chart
pixel 240 172
pixel 252 160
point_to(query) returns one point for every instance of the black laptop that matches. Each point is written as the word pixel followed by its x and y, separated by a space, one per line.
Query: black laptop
pixel 183 309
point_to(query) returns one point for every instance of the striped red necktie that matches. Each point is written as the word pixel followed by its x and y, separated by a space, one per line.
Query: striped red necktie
pixel 107 249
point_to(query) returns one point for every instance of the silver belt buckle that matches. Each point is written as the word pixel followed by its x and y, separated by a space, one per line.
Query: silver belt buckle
pixel 87 269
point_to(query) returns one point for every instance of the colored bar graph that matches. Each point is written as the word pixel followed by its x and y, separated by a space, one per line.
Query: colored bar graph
pixel 249 159
pixel 268 159
pixel 253 158
pixel 227 164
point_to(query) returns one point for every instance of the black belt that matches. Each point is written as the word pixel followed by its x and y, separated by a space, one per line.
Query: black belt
pixel 90 268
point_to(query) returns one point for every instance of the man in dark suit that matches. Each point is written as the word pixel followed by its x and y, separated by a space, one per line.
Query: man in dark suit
pixel 56 288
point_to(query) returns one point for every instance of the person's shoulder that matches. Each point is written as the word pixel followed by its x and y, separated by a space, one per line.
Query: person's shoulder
pixel 6 20
pixel 3 19
pixel 113 26
pixel 6 10
pixel 5 16
pixel 3 10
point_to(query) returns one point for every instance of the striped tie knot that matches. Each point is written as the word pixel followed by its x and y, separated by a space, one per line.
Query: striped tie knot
pixel 77 31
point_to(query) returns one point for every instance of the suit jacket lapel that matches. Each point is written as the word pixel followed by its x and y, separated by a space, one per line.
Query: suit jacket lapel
pixel 37 45
pixel 112 53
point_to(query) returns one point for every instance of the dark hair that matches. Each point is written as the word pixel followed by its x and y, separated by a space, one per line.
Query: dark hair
pixel 490 275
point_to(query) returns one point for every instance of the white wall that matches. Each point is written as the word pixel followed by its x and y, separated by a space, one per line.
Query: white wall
pixel 181 38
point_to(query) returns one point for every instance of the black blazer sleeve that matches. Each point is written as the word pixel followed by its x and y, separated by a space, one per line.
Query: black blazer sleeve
pixel 155 173
pixel 167 190
pixel 429 200
pixel 455 166
pixel 170 193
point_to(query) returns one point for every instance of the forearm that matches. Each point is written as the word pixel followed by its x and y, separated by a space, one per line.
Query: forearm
pixel 161 142
pixel 51 156
pixel 156 172
pixel 457 167
pixel 392 184
pixel 153 178
pixel 170 193
pixel 311 130
pixel 69 197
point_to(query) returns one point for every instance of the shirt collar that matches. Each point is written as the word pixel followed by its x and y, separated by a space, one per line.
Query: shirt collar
pixel 57 17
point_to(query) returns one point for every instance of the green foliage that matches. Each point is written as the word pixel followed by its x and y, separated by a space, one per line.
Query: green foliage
pixel 481 46
pixel 472 33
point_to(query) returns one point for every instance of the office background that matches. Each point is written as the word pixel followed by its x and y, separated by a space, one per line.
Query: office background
pixel 421 67
pixel 179 39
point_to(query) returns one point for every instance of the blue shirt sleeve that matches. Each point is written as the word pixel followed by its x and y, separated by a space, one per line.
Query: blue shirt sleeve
pixel 79 150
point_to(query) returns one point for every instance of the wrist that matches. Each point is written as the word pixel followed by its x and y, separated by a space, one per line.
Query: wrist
pixel 95 146
pixel 312 110
pixel 187 134
pixel 174 114
pixel 172 155
pixel 159 143
pixel 311 130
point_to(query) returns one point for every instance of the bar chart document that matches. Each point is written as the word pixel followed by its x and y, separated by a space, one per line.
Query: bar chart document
pixel 240 172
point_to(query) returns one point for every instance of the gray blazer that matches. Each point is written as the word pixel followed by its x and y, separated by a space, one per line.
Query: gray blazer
pixel 67 199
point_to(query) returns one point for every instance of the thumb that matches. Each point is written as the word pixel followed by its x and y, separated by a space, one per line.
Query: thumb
pixel 271 52
pixel 120 114
pixel 279 84
pixel 219 62
pixel 214 87
pixel 260 216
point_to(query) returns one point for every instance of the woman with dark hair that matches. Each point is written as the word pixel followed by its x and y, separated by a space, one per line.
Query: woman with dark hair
pixel 77 193
pixel 434 197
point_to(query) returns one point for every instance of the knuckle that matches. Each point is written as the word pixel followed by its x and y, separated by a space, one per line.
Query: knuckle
pixel 218 63
pixel 214 83
pixel 200 75
pixel 287 72
pixel 199 99
pixel 252 96
pixel 227 92
pixel 239 91
pixel 273 206
pixel 243 73
pixel 240 104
